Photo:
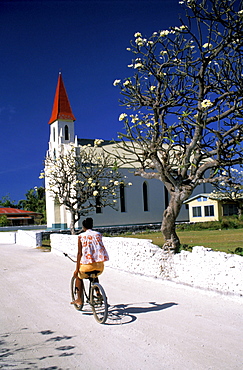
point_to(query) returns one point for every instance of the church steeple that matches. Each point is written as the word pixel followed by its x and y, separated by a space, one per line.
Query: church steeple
pixel 61 107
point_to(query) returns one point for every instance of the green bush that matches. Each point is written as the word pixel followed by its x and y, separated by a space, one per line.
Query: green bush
pixel 239 251
pixel 230 222
pixel 210 225
pixel 4 220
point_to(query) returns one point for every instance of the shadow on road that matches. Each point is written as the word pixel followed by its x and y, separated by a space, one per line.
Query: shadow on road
pixel 19 353
pixel 121 314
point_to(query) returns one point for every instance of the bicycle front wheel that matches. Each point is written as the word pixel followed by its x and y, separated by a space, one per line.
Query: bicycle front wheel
pixel 99 303
pixel 74 294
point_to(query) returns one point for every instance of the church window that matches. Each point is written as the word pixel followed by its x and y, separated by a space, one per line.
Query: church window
pixel 166 194
pixel 54 154
pixel 145 197
pixel 66 132
pixel 122 198
pixel 54 134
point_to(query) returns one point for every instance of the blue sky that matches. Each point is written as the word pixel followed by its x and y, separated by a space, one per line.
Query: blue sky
pixel 87 41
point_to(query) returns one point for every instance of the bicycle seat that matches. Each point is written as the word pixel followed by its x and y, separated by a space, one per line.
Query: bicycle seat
pixel 95 272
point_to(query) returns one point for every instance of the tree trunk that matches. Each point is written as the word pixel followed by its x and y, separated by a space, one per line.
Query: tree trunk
pixel 240 210
pixel 168 227
pixel 72 224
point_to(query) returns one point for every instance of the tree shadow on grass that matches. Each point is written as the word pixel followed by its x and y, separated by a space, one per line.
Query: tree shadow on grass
pixel 121 314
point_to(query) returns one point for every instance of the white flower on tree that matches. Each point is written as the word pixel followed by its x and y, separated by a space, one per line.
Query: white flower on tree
pixel 116 82
pixel 207 45
pixel 206 103
pixel 122 116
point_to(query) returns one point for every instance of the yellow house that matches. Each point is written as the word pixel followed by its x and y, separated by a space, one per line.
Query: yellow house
pixel 203 208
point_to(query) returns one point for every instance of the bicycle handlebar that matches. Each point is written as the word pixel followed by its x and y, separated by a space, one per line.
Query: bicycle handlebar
pixel 66 255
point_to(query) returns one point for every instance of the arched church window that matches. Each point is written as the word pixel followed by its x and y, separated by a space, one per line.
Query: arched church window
pixel 122 198
pixel 54 154
pixel 54 134
pixel 145 197
pixel 166 193
pixel 66 132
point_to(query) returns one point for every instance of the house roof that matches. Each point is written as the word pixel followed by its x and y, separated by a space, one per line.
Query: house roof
pixel 61 106
pixel 213 197
pixel 206 195
pixel 15 211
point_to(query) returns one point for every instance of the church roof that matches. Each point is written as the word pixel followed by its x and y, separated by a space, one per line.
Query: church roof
pixel 61 106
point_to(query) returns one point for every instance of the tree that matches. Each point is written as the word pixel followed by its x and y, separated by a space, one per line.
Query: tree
pixel 186 93
pixel 4 221
pixel 7 202
pixel 83 179
pixel 35 201
pixel 232 189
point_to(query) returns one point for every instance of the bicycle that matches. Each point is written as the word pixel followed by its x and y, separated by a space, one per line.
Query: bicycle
pixel 94 294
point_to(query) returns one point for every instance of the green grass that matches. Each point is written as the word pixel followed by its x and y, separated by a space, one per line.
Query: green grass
pixel 219 240
pixel 46 242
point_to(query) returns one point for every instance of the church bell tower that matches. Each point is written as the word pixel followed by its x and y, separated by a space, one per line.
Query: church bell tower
pixel 61 136
pixel 61 121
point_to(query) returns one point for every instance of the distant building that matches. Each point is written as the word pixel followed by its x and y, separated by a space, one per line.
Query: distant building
pixel 142 203
pixel 205 207
pixel 19 217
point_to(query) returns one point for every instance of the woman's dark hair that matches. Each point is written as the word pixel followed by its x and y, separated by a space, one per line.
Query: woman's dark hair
pixel 88 223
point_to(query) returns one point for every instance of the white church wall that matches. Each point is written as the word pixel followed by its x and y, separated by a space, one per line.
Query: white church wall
pixel 134 210
pixel 50 212
pixel 135 213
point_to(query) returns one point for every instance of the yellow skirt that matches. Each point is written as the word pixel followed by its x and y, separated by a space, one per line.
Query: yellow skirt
pixel 90 267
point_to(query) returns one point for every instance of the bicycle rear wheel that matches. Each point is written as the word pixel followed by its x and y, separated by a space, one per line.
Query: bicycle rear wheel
pixel 74 294
pixel 99 303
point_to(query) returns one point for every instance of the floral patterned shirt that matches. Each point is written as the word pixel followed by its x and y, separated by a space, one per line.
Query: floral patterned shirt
pixel 93 249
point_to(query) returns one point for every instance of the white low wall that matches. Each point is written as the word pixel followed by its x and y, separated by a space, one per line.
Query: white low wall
pixel 203 268
pixel 28 238
pixel 22 237
pixel 207 269
pixel 8 237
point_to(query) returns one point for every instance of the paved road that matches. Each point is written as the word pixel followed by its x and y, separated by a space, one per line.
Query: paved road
pixel 152 324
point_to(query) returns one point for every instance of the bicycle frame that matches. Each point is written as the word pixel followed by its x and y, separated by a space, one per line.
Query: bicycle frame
pixel 91 280
pixel 96 296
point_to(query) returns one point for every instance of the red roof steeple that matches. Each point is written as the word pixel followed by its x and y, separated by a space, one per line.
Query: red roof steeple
pixel 61 106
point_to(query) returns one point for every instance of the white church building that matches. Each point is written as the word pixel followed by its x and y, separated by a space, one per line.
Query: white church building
pixel 143 203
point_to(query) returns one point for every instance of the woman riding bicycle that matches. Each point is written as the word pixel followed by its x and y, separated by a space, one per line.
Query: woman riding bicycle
pixel 91 256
